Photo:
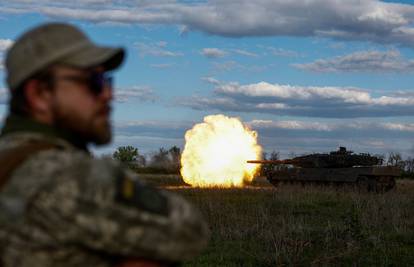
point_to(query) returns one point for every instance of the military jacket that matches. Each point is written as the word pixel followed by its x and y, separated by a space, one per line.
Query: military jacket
pixel 63 207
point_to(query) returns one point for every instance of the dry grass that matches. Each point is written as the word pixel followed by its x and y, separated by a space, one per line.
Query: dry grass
pixel 304 226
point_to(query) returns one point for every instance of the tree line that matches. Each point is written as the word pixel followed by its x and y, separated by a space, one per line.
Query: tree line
pixel 169 160
pixel 161 161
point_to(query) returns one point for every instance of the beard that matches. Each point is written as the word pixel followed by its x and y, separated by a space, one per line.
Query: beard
pixel 94 127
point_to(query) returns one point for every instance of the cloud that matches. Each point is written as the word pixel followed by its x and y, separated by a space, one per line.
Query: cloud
pixel 362 61
pixel 328 102
pixel 219 53
pixel 292 125
pixel 211 80
pixel 399 127
pixel 5 44
pixel 337 128
pixel 139 93
pixel 155 49
pixel 363 20
pixel 213 52
pixel 401 93
pixel 280 52
pixel 65 3
pixel 244 53
pixel 309 136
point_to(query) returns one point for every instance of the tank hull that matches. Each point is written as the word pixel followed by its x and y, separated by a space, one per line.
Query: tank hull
pixel 371 178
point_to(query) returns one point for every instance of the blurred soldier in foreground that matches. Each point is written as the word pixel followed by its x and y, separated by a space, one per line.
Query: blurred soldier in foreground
pixel 59 206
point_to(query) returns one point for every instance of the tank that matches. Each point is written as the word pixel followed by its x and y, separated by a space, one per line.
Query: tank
pixel 339 167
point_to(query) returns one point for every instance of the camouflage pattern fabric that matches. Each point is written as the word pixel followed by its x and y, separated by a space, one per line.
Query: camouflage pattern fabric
pixel 66 208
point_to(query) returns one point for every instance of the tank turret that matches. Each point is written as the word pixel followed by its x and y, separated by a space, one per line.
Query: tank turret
pixel 336 159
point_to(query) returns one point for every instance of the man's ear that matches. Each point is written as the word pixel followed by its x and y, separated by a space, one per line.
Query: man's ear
pixel 38 97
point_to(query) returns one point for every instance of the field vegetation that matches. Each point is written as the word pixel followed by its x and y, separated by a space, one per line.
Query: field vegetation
pixel 261 225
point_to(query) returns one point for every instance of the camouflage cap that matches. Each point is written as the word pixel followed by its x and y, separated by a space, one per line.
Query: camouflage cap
pixel 53 43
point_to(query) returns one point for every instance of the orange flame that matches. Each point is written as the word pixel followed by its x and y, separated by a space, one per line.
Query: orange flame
pixel 216 151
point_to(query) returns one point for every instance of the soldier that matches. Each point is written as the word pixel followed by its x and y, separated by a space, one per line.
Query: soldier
pixel 59 206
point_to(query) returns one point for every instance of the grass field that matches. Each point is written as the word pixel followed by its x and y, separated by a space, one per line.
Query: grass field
pixel 303 226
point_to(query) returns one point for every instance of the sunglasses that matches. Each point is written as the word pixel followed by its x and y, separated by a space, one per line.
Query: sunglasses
pixel 96 81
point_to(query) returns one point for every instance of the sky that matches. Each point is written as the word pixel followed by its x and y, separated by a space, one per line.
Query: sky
pixel 308 76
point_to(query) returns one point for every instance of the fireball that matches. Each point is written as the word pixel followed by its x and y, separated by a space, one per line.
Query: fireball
pixel 216 151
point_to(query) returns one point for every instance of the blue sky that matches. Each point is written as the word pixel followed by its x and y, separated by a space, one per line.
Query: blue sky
pixel 308 76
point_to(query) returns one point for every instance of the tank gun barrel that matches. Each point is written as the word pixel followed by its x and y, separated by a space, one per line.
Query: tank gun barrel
pixel 286 161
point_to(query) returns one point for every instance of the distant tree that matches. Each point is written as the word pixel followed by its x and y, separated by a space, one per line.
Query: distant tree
pixel 141 161
pixel 395 159
pixel 175 156
pixel 126 154
pixel 160 159
pixel 267 168
pixel 274 155
pixel 409 165
pixel 381 158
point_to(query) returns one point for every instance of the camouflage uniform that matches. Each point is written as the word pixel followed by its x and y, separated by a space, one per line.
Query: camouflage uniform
pixel 62 207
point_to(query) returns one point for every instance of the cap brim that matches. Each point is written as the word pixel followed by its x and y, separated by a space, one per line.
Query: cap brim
pixel 91 56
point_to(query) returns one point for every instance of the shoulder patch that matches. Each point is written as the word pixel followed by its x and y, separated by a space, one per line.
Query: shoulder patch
pixel 133 193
